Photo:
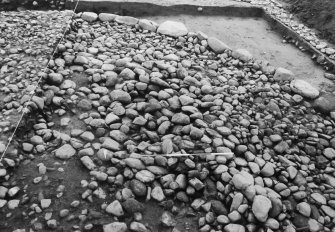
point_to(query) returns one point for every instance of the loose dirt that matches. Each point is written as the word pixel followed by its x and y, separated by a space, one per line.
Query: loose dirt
pixel 319 14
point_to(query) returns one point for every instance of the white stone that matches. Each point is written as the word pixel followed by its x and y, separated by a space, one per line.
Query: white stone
pixel 89 16
pixel 234 228
pixel 115 208
pixel 304 89
pixel 172 28
pixel 45 203
pixel 261 207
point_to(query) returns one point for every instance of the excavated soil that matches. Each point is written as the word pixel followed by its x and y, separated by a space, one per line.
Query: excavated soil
pixel 319 14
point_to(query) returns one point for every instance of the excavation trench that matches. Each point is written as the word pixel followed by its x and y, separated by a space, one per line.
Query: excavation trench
pixel 239 26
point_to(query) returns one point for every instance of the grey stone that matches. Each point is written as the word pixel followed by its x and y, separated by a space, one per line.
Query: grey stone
pixel 217 45
pixel 128 20
pixel 106 17
pixel 115 208
pixel 149 25
pixel 172 28
pixel 89 16
pixel 283 74
pixel 304 89
pixel 65 152
pixel 87 162
pixel 261 207
pixel 115 227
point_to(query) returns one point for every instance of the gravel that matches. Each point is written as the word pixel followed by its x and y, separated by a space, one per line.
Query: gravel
pixel 170 92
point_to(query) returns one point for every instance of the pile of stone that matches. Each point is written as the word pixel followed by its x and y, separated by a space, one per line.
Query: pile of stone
pixel 152 90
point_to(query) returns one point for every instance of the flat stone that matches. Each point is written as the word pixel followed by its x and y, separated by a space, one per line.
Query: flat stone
pixel 115 208
pixel 121 96
pixel 149 25
pixel 328 210
pixel 242 180
pixel 304 208
pixel 145 176
pixel 105 17
pixel 157 194
pixel 319 198
pixel 115 227
pixel 65 152
pixel 180 118
pixel 283 74
pixel 111 118
pixel 89 16
pixel 261 207
pixel 242 54
pixel 138 227
pixel 172 28
pixel 329 153
pixel 88 162
pixel 234 228
pixel 111 144
pixel 217 45
pixel 304 89
pixel 134 163
pixel 128 20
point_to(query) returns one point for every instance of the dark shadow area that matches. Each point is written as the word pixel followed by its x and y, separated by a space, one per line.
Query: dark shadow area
pixel 147 9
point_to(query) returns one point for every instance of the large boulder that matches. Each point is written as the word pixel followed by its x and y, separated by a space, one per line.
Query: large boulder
pixel 172 28
pixel 217 45
pixel 304 89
